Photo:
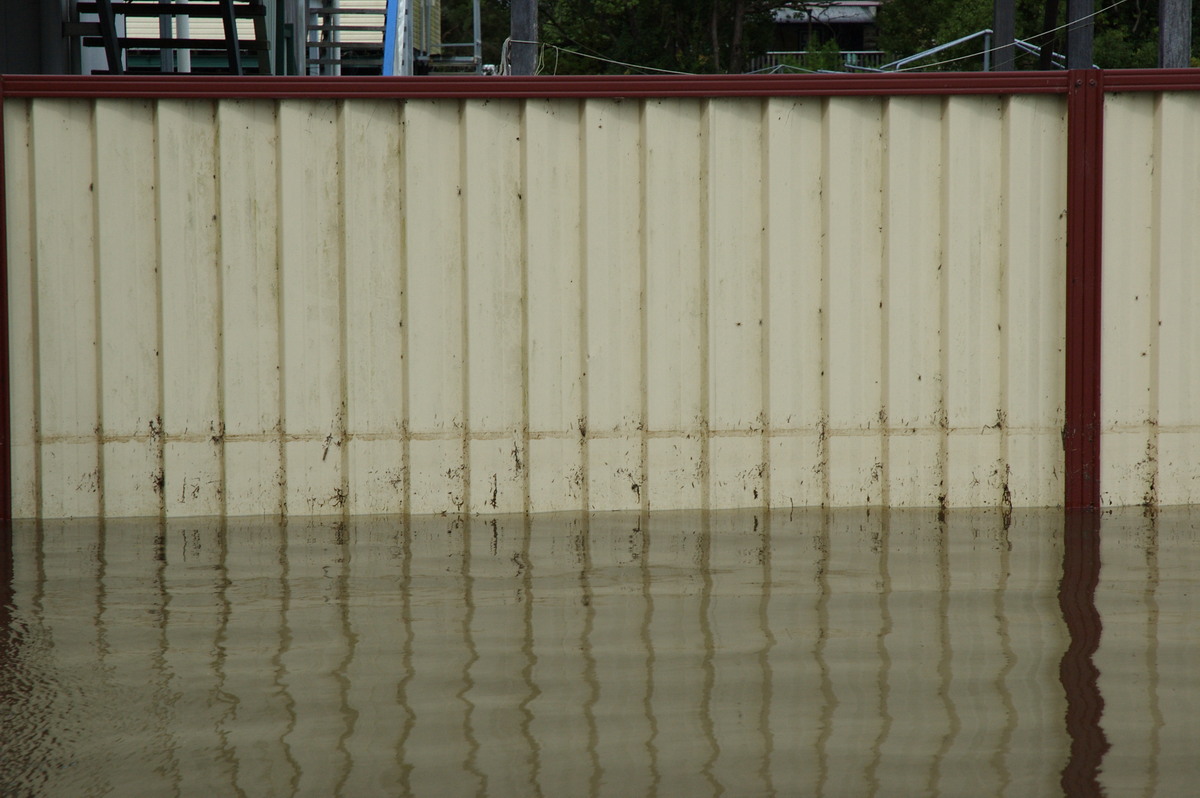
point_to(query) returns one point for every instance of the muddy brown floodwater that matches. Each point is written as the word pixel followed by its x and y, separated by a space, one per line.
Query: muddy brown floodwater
pixel 847 652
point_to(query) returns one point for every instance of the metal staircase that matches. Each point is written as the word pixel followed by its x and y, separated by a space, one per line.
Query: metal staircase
pixel 346 37
pixel 390 37
pixel 413 42
pixel 239 48
pixel 307 37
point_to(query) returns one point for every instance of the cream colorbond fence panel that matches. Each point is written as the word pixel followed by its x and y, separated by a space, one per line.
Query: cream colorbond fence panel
pixel 434 298
pixel 793 310
pixel 64 295
pixel 374 291
pixel 24 399
pixel 675 292
pixel 328 306
pixel 1032 384
pixel 972 296
pixel 130 400
pixel 496 316
pixel 313 323
pixel 191 306
pixel 613 332
pixel 248 142
pixel 554 281
pixel 1151 425
pixel 912 303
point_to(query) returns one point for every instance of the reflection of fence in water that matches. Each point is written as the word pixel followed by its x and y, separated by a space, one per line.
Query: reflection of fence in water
pixel 577 656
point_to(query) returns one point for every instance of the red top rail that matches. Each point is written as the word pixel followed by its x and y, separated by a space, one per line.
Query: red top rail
pixel 575 86
pixel 584 86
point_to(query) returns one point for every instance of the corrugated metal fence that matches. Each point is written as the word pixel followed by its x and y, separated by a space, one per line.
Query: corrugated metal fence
pixel 441 304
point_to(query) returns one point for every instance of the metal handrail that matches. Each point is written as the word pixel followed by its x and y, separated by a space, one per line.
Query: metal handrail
pixel 1058 59
pixel 986 33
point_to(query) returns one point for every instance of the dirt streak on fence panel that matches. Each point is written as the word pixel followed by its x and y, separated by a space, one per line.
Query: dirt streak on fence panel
pixel 375 324
pixel 674 287
pixel 1128 446
pixel 22 308
pixel 1177 330
pixel 63 207
pixel 1035 285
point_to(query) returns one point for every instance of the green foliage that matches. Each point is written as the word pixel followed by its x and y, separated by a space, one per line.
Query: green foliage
pixel 677 35
pixel 1125 36
pixel 827 56
pixel 1115 48
pixel 723 35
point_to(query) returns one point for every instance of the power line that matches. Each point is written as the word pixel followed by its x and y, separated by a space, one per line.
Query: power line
pixel 597 57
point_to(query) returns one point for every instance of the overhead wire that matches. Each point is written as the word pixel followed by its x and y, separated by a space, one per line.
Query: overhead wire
pixel 569 51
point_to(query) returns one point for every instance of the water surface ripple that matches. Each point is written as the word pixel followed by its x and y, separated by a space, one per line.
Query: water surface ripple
pixel 847 652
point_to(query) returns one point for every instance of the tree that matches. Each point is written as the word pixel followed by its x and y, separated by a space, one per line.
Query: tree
pixel 1126 36
pixel 724 35
pixel 676 35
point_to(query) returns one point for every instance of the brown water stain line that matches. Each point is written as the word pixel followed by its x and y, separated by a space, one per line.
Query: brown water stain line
pixel 102 647
pixel 883 684
pixel 231 702
pixel 828 696
pixel 710 676
pixel 1011 715
pixel 525 573
pixel 342 596
pixel 470 763
pixel 406 664
pixel 1151 601
pixel 162 689
pixel 9 642
pixel 589 659
pixel 285 644
pixel 651 659
pixel 153 435
pixel 945 668
pixel 764 658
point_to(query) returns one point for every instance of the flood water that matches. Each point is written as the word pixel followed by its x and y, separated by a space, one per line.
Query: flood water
pixel 678 654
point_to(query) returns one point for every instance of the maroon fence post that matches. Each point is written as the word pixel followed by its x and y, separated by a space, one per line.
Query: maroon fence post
pixel 1085 151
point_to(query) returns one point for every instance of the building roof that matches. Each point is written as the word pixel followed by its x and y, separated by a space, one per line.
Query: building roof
pixel 850 12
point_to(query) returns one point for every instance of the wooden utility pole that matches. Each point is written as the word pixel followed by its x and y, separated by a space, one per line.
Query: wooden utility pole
pixel 1004 30
pixel 1174 34
pixel 1049 22
pixel 1079 33
pixel 523 50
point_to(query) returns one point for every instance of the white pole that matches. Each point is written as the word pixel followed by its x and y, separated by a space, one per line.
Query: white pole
pixel 405 40
pixel 166 55
pixel 335 36
pixel 183 57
